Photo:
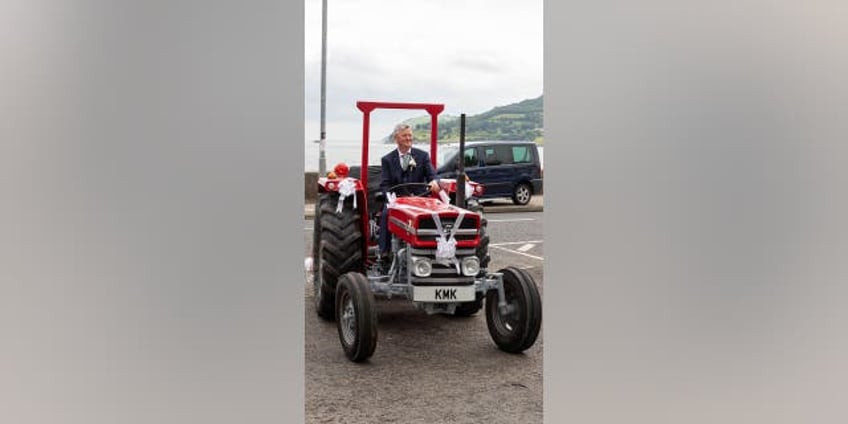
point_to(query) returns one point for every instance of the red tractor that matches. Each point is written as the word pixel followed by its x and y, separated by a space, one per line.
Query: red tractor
pixel 439 256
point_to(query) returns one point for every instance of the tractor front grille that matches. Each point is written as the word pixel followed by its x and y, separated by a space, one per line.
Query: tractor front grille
pixel 467 231
pixel 442 274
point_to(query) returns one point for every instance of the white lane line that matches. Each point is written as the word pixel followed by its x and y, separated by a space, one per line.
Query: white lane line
pixel 517 242
pixel 518 253
pixel 512 220
pixel 526 247
pixel 307 229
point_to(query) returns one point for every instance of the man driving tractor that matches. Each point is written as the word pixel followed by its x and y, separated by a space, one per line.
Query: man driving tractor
pixel 406 164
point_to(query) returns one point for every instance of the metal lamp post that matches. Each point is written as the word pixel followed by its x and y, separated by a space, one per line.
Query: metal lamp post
pixel 322 159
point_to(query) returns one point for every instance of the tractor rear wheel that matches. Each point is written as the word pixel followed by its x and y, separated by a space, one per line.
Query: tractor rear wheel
pixel 482 250
pixel 323 302
pixel 468 309
pixel 337 249
pixel 516 329
pixel 357 316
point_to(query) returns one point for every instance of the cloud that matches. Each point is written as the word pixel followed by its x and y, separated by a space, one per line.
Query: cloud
pixel 470 55
pixel 477 63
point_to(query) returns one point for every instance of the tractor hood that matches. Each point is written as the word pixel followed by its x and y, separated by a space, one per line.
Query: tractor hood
pixel 412 219
pixel 426 205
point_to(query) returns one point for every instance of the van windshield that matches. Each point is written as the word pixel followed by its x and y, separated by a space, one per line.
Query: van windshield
pixel 447 152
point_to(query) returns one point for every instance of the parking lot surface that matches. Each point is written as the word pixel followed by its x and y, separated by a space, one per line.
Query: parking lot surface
pixel 430 368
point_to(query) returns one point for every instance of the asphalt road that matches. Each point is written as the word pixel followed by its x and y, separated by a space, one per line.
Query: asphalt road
pixel 430 368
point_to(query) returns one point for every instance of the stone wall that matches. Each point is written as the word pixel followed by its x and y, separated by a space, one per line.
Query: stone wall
pixel 310 180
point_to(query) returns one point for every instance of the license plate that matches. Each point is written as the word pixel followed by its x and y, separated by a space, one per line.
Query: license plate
pixel 443 294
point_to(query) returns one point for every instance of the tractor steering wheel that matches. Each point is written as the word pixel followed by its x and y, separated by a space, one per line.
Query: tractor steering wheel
pixel 415 194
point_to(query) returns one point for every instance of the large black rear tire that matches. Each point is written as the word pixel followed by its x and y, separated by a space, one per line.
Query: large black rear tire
pixel 482 250
pixel 323 302
pixel 337 249
pixel 517 330
pixel 468 309
pixel 357 316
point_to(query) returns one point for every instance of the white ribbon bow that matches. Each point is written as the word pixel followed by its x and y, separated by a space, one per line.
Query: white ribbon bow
pixel 444 197
pixel 347 187
pixel 468 191
pixel 446 243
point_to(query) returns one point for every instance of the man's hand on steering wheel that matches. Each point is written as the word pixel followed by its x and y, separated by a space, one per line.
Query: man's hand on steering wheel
pixel 434 187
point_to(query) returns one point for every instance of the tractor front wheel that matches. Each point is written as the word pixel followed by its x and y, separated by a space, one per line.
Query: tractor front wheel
pixel 357 316
pixel 515 329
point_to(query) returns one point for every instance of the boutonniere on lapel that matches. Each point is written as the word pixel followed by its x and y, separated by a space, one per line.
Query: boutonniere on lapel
pixel 411 163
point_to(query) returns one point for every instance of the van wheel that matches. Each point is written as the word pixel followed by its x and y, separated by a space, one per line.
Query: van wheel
pixel 522 194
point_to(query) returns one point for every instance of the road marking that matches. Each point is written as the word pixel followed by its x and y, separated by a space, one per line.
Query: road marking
pixel 307 229
pixel 518 253
pixel 517 242
pixel 512 220
pixel 526 247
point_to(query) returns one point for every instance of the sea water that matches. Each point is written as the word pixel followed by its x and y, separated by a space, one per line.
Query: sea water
pixel 350 152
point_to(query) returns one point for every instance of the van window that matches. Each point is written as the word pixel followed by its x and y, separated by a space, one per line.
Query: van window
pixel 497 155
pixel 446 155
pixel 521 154
pixel 470 157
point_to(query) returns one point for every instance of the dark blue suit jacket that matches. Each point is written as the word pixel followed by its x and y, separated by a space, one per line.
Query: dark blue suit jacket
pixel 392 174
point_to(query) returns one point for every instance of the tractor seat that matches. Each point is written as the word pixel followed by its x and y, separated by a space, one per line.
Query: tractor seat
pixel 374 196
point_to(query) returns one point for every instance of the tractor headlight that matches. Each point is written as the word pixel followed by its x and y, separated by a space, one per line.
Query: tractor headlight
pixel 421 267
pixel 470 266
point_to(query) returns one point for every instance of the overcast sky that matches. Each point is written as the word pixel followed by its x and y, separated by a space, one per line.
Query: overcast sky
pixel 470 55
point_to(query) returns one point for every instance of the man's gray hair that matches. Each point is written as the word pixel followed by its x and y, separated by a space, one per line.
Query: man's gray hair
pixel 399 128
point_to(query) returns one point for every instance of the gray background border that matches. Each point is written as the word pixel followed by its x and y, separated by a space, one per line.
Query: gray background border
pixel 694 217
pixel 695 209
pixel 151 171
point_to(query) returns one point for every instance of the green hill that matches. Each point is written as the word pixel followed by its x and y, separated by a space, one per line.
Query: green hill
pixel 516 121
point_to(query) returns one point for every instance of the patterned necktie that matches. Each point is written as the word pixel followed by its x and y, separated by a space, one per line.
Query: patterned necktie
pixel 405 161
